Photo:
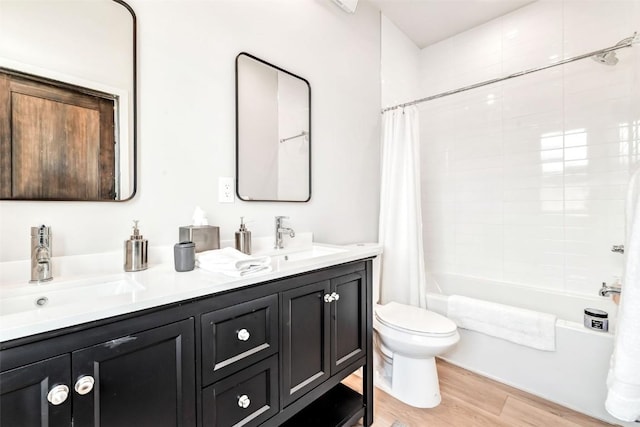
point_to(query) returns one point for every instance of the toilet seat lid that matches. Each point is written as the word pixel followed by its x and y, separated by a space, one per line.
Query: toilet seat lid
pixel 414 319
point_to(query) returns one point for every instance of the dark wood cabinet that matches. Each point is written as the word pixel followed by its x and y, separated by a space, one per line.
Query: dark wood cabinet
pixel 305 339
pixel 324 326
pixel 145 378
pixel 237 336
pixel 272 354
pixel 239 352
pixel 348 320
pixel 24 394
pixel 246 399
pixel 140 379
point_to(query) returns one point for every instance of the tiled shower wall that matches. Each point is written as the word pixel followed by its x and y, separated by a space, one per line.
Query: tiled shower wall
pixel 524 181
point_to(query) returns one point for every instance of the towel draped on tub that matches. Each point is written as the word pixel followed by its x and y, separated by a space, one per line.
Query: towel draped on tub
pixel 526 327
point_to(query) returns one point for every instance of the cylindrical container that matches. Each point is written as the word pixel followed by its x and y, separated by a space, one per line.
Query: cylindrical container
pixel 243 238
pixel 596 319
pixel 184 256
pixel 135 251
pixel 135 255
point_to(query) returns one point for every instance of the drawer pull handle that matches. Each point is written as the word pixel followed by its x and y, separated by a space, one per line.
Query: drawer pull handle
pixel 58 394
pixel 244 401
pixel 243 335
pixel 328 298
pixel 335 296
pixel 84 384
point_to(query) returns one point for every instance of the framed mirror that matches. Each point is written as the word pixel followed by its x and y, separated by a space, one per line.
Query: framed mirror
pixel 273 132
pixel 67 100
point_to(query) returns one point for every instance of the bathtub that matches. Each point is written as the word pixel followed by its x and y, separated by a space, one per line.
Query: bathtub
pixel 573 376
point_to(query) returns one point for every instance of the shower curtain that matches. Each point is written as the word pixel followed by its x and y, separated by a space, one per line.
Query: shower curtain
pixel 402 272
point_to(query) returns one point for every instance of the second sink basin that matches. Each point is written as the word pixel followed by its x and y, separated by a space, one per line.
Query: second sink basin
pixel 314 251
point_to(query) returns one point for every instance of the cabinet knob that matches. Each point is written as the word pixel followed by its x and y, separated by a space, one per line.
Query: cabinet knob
pixel 58 394
pixel 335 296
pixel 243 334
pixel 328 298
pixel 84 384
pixel 244 401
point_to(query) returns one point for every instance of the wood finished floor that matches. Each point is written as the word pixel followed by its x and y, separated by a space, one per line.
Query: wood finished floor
pixel 470 400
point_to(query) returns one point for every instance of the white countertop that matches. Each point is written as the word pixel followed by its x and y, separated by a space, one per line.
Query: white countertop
pixel 82 298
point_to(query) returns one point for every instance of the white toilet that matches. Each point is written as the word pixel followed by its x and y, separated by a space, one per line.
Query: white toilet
pixel 408 339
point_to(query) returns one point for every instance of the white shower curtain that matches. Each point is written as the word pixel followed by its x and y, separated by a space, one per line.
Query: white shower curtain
pixel 400 229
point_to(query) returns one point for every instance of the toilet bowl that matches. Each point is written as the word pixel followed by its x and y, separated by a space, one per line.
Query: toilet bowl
pixel 409 339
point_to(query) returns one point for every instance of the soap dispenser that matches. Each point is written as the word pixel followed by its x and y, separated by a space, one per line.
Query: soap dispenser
pixel 243 238
pixel 135 251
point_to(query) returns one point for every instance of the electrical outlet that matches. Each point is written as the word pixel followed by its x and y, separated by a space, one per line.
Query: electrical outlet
pixel 225 190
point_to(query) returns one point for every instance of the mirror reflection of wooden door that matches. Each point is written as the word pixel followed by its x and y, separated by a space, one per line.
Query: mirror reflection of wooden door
pixel 56 142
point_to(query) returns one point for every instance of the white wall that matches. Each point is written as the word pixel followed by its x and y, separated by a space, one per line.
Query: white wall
pixel 187 131
pixel 525 181
pixel 400 69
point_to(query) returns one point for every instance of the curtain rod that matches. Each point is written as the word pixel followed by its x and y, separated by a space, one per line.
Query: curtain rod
pixel 628 42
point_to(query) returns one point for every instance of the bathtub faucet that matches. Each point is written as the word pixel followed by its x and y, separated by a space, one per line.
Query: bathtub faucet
pixel 618 249
pixel 605 290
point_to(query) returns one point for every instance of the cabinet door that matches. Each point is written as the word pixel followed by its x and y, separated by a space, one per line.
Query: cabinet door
pixel 144 379
pixel 24 390
pixel 348 315
pixel 305 339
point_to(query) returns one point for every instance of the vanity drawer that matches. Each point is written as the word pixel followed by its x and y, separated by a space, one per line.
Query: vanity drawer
pixel 247 398
pixel 238 336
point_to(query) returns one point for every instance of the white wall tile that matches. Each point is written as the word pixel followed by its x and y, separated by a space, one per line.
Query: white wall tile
pixel 536 179
pixel 524 181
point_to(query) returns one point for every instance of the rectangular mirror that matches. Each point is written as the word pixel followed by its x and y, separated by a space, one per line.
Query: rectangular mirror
pixel 67 100
pixel 273 132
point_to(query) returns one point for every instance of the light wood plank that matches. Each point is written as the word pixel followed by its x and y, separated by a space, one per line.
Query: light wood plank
pixel 473 389
pixel 471 400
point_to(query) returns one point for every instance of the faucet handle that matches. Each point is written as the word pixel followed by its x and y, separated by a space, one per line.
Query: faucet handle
pixel 281 217
pixel 41 233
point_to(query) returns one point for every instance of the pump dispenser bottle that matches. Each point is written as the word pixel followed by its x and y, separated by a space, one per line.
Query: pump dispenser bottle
pixel 243 238
pixel 135 251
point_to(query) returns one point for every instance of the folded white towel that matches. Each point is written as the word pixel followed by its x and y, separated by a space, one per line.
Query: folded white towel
pixel 623 398
pixel 232 262
pixel 526 327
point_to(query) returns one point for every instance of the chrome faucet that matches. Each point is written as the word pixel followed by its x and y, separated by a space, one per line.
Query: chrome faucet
pixel 280 229
pixel 605 290
pixel 41 254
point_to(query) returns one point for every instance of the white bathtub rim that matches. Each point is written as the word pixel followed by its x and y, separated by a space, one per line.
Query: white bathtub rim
pixel 545 301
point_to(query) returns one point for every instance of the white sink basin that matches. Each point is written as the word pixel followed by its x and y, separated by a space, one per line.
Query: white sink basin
pixel 308 253
pixel 54 295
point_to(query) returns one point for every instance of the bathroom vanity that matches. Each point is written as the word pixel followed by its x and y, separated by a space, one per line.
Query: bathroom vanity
pixel 268 350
